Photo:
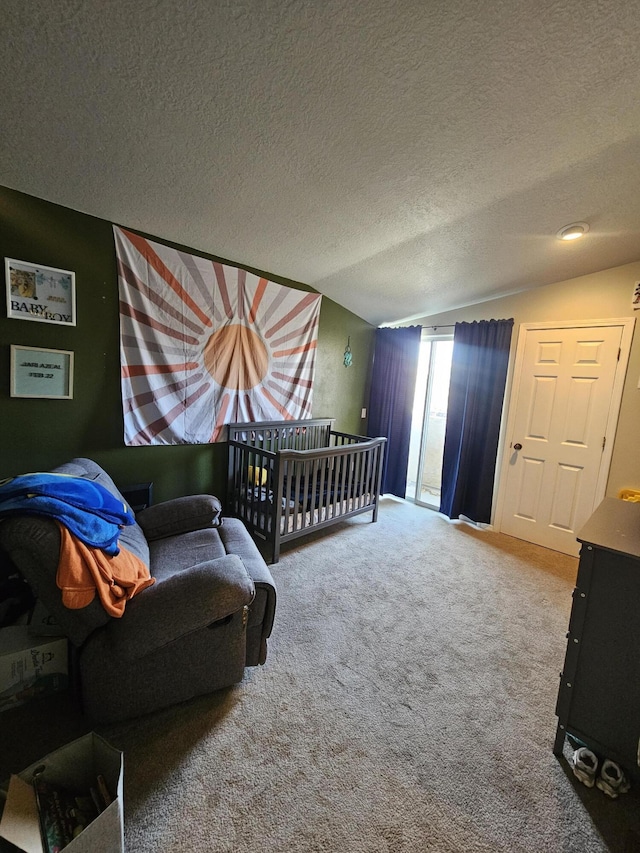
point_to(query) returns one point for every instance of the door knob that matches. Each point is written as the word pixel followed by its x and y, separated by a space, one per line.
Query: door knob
pixel 517 447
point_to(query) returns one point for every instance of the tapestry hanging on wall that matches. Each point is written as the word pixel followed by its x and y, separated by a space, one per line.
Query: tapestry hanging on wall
pixel 203 344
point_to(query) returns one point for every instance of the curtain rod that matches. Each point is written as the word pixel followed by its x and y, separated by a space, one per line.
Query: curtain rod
pixel 441 326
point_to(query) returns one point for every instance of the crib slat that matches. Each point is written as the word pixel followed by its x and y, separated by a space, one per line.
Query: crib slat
pixel 343 483
pixel 334 480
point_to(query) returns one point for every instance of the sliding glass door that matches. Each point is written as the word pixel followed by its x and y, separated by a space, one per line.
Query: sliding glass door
pixel 429 419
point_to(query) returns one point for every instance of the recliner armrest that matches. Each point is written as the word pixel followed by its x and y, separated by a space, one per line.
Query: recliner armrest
pixel 185 602
pixel 180 515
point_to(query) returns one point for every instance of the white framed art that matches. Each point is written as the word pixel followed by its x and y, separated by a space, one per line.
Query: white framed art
pixel 37 292
pixel 41 373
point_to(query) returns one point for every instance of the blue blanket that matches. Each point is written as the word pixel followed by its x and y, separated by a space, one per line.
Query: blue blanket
pixel 86 508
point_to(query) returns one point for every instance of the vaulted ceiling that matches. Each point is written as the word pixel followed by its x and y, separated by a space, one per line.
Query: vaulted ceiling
pixel 402 157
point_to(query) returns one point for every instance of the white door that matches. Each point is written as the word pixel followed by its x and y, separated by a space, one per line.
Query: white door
pixel 563 394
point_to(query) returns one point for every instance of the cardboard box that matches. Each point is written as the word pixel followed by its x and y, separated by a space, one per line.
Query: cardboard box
pixel 75 766
pixel 30 666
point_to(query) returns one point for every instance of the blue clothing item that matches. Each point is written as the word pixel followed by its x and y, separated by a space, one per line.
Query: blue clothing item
pixel 89 510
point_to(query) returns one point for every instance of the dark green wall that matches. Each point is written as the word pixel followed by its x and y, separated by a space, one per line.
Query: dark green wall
pixel 38 434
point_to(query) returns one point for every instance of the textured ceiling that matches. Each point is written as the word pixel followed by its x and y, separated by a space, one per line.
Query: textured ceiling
pixel 401 157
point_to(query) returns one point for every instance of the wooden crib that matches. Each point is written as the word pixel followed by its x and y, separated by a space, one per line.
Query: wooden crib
pixel 289 478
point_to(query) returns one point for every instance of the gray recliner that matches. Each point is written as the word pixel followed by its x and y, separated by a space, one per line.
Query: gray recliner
pixel 208 615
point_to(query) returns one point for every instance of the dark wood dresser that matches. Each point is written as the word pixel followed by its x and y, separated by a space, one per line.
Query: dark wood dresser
pixel 599 695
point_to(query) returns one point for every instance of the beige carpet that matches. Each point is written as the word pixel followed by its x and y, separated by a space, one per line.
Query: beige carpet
pixel 407 704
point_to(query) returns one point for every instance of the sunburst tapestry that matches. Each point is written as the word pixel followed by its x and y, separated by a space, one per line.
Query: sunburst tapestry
pixel 203 344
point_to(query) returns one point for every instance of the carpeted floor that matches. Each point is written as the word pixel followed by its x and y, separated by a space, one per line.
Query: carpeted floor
pixel 407 704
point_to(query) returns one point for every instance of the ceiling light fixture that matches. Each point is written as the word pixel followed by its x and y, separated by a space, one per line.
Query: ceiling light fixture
pixel 573 231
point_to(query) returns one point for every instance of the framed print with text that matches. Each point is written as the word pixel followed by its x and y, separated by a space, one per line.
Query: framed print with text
pixel 36 292
pixel 44 373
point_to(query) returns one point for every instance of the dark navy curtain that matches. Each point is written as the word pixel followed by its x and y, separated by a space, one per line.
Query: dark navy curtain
pixel 476 395
pixel 393 382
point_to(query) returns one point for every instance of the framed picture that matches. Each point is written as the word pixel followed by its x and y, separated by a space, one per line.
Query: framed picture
pixel 36 292
pixel 41 373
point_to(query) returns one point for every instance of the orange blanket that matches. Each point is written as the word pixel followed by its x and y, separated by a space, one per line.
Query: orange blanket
pixel 83 570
